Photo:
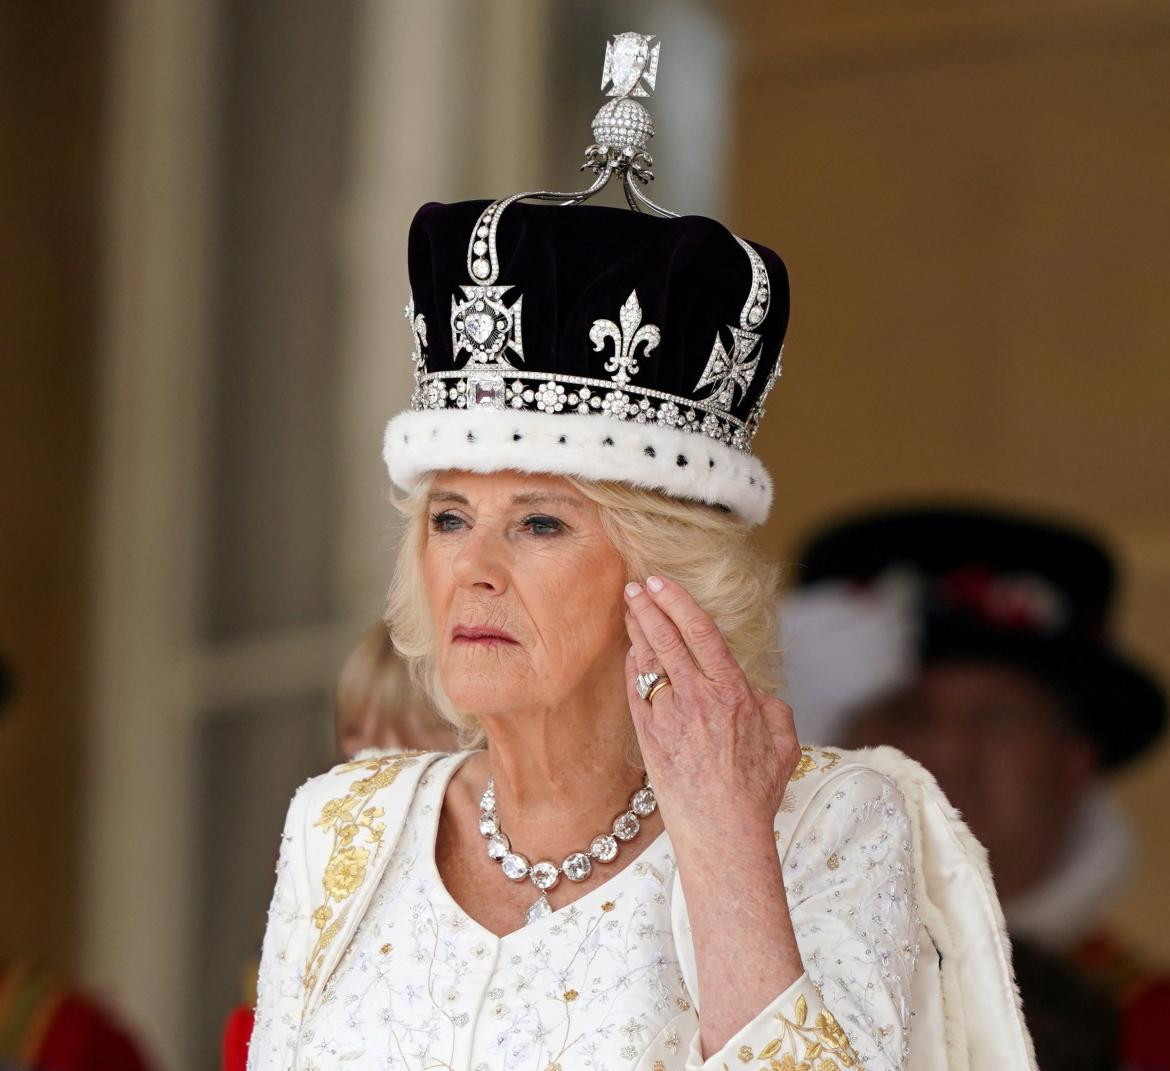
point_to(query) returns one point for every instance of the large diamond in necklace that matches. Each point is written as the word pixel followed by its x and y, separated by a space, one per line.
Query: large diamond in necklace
pixel 576 866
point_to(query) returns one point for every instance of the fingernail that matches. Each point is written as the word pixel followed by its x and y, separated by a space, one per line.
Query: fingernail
pixel 654 583
pixel 630 653
pixel 633 589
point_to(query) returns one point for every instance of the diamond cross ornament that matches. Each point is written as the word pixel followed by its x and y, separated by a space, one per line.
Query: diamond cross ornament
pixel 631 59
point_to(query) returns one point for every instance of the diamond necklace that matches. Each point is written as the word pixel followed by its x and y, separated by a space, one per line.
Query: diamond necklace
pixel 577 866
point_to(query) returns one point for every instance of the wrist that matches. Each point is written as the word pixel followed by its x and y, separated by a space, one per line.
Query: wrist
pixel 743 847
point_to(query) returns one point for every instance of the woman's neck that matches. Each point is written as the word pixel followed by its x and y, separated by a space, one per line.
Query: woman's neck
pixel 561 776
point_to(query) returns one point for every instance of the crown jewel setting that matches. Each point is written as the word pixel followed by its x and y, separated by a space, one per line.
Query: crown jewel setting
pixel 486 321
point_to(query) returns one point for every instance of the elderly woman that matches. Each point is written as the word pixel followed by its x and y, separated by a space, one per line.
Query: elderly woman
pixel 578 593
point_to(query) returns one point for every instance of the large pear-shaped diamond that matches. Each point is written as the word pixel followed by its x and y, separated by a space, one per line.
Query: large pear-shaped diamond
pixel 627 61
pixel 539 910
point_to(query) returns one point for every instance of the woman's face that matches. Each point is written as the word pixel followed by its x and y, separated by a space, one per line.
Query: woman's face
pixel 525 590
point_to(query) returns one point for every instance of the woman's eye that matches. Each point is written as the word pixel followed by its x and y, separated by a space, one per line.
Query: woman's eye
pixel 445 521
pixel 541 525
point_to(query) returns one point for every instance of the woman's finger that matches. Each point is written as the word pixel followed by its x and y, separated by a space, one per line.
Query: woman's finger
pixel 638 706
pixel 644 657
pixel 663 637
pixel 645 661
pixel 698 629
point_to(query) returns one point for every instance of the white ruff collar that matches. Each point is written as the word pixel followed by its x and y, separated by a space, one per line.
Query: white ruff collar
pixel 1068 904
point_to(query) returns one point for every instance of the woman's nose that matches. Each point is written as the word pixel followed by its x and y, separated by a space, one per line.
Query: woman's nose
pixel 480 563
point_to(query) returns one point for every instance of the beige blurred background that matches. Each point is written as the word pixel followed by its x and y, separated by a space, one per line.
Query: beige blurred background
pixel 202 275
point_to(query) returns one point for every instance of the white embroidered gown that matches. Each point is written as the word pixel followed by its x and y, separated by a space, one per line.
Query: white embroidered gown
pixel 608 982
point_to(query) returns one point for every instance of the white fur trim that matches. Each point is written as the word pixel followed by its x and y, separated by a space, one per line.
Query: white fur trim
pixel 983 1015
pixel 590 446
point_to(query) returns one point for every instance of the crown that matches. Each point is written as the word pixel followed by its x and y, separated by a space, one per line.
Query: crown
pixel 668 327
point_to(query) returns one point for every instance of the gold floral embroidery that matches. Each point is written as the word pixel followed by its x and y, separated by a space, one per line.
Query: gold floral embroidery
pixel 825 1046
pixel 833 861
pixel 658 1066
pixel 809 762
pixel 745 1054
pixel 570 995
pixel 345 870
pixel 357 842
pixel 608 905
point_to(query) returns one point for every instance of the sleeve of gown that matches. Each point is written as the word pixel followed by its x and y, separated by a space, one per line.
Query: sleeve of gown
pixel 848 873
pixel 280 987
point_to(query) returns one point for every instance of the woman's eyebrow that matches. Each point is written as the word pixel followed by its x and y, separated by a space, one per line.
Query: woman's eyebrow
pixel 440 495
pixel 533 498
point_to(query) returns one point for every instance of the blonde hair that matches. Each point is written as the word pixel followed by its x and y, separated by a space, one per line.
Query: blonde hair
pixel 373 675
pixel 704 548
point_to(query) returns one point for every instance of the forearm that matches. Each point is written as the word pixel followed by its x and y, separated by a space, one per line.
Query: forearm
pixel 745 951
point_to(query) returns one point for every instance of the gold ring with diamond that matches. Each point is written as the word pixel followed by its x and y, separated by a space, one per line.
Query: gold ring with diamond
pixel 649 684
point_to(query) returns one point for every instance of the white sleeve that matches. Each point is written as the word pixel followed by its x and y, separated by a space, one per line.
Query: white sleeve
pixel 280 988
pixel 848 873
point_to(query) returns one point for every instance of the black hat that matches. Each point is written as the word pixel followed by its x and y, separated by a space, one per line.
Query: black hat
pixel 632 346
pixel 1007 588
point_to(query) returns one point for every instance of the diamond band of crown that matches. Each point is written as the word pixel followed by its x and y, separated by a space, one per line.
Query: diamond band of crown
pixel 551 393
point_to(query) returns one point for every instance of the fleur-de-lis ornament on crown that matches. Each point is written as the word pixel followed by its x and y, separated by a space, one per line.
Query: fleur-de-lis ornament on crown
pixel 626 339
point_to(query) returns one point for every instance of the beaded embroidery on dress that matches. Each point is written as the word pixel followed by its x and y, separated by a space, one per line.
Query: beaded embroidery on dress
pixel 609 982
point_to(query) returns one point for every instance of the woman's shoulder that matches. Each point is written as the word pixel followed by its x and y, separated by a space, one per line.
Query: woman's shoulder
pixel 352 788
pixel 887 788
pixel 820 767
pixel 854 777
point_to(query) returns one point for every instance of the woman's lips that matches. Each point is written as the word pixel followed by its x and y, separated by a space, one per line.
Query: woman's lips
pixel 480 636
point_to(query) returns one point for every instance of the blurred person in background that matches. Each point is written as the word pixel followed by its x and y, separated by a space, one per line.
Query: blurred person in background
pixel 977 642
pixel 378 706
pixel 46 1024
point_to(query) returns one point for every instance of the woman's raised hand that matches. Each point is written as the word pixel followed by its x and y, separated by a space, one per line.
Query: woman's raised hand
pixel 718 752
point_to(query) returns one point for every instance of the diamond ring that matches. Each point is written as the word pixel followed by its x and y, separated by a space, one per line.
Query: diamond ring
pixel 649 684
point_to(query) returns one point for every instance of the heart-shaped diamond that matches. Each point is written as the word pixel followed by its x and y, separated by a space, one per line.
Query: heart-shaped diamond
pixel 480 326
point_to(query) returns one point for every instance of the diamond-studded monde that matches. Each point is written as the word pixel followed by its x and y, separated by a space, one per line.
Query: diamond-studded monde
pixel 623 125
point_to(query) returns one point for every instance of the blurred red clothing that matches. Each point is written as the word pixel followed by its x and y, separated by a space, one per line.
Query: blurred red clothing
pixel 1143 1001
pixel 46 1026
pixel 236 1034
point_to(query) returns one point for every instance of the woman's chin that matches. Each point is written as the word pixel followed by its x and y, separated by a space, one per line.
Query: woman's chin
pixel 486 696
